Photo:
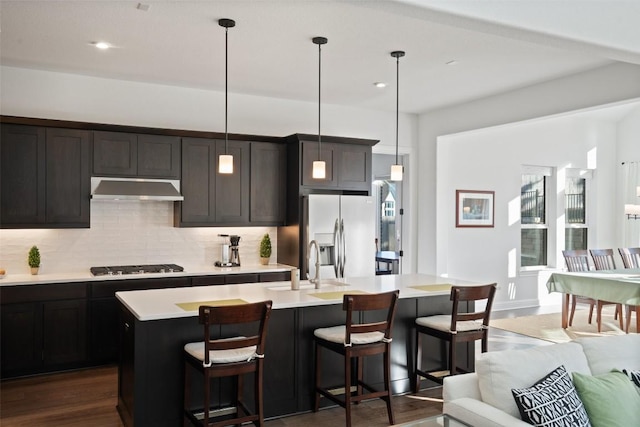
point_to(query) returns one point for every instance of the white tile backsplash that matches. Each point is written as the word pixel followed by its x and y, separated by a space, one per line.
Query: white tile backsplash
pixel 127 232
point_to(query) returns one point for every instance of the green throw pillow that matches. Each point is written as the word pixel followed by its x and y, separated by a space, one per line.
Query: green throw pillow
pixel 610 399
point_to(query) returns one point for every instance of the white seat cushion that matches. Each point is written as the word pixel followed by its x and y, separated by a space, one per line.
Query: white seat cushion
pixel 243 354
pixel 337 333
pixel 442 322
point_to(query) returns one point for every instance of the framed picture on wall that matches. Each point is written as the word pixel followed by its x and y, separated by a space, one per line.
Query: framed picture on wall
pixel 474 208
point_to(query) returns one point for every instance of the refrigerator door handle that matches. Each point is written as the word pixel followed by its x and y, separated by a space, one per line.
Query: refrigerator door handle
pixel 343 250
pixel 336 248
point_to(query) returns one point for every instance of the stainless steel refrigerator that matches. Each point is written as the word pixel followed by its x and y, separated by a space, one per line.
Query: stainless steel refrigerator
pixel 344 227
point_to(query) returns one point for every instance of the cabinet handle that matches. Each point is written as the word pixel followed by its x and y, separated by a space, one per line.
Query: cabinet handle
pixel 126 326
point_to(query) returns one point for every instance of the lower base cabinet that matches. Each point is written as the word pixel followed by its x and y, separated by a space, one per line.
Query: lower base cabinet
pixel 40 334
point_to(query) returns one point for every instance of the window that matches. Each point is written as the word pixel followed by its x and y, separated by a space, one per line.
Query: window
pixel 575 211
pixel 533 216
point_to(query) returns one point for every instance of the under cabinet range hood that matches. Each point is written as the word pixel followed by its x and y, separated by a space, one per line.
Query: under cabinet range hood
pixel 108 188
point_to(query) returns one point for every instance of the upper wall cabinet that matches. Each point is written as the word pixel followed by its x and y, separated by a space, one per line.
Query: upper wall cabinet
pixel 211 198
pixel 136 155
pixel 44 177
pixel 254 194
pixel 268 183
pixel 347 160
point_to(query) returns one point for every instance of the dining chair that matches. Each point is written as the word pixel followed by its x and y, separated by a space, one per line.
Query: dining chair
pixel 603 260
pixel 232 356
pixel 578 260
pixel 630 259
pixel 455 328
pixel 355 340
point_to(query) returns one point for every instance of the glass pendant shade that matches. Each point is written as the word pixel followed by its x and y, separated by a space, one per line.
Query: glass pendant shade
pixel 396 172
pixel 225 163
pixel 319 169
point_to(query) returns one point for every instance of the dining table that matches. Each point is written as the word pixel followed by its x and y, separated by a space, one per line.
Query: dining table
pixel 618 286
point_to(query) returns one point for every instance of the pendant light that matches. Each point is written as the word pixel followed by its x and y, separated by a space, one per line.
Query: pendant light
pixel 397 169
pixel 225 161
pixel 319 166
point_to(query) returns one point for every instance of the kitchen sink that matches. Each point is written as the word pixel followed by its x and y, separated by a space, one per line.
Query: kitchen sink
pixel 304 284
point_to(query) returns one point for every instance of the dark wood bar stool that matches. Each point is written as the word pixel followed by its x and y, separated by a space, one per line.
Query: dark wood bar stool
pixel 226 357
pixel 355 340
pixel 455 328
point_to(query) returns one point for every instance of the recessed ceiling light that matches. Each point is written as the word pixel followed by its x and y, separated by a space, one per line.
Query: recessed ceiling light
pixel 102 45
pixel 380 84
pixel 452 62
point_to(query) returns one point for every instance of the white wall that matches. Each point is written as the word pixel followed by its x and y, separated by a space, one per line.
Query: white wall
pixel 492 159
pixel 628 151
pixel 52 95
pixel 597 87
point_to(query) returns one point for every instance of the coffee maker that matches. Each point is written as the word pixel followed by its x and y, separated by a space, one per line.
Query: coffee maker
pixel 229 249
pixel 235 255
pixel 224 248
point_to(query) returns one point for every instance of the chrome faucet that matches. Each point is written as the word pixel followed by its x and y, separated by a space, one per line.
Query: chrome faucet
pixel 316 279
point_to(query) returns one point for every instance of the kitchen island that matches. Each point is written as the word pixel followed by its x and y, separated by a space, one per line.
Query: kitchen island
pixel 155 325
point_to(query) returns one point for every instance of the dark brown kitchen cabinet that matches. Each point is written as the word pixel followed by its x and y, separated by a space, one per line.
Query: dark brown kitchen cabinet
pixel 268 183
pixel 44 177
pixel 211 198
pixel 136 155
pixel 44 328
pixel 347 162
pixel 348 167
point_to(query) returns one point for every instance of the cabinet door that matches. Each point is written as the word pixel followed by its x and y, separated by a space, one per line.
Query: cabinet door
pixel 22 175
pixel 232 190
pixel 21 337
pixel 354 166
pixel 198 182
pixel 268 183
pixel 159 156
pixel 67 177
pixel 114 154
pixel 309 154
pixel 64 331
pixel 103 339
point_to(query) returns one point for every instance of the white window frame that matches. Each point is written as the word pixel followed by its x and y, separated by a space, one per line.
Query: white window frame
pixel 548 172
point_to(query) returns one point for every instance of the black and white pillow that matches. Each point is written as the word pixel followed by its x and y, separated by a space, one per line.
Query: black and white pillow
pixel 634 376
pixel 552 402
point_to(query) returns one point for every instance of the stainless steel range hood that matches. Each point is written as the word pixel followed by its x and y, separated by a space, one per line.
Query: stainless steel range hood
pixel 135 189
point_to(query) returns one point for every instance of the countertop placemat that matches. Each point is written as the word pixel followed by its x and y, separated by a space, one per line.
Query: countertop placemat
pixel 432 288
pixel 195 305
pixel 336 294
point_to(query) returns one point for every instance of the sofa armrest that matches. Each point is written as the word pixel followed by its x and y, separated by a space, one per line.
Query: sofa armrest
pixel 462 385
pixel 480 414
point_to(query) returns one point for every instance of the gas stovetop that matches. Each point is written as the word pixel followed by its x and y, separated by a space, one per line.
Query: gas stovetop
pixel 135 269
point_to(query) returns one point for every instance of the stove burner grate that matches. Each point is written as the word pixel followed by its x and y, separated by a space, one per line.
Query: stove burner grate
pixel 117 270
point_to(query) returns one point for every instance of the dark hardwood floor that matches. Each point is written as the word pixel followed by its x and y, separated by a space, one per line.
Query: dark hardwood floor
pixel 88 397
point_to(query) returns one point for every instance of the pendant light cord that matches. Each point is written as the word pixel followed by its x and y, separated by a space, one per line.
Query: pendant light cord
pixel 226 83
pixel 319 94
pixel 397 102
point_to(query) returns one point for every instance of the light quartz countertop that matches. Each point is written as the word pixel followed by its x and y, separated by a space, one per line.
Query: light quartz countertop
pixel 160 304
pixel 191 271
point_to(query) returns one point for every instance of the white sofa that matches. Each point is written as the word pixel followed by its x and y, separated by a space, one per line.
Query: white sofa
pixel 483 398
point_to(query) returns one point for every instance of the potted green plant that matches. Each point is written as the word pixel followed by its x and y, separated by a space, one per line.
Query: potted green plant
pixel 265 249
pixel 34 259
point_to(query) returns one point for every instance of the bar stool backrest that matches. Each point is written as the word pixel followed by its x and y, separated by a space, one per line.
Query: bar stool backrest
pixel 235 314
pixel 370 302
pixel 471 293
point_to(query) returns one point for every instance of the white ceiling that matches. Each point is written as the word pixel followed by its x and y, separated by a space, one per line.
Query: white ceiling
pixel 498 45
